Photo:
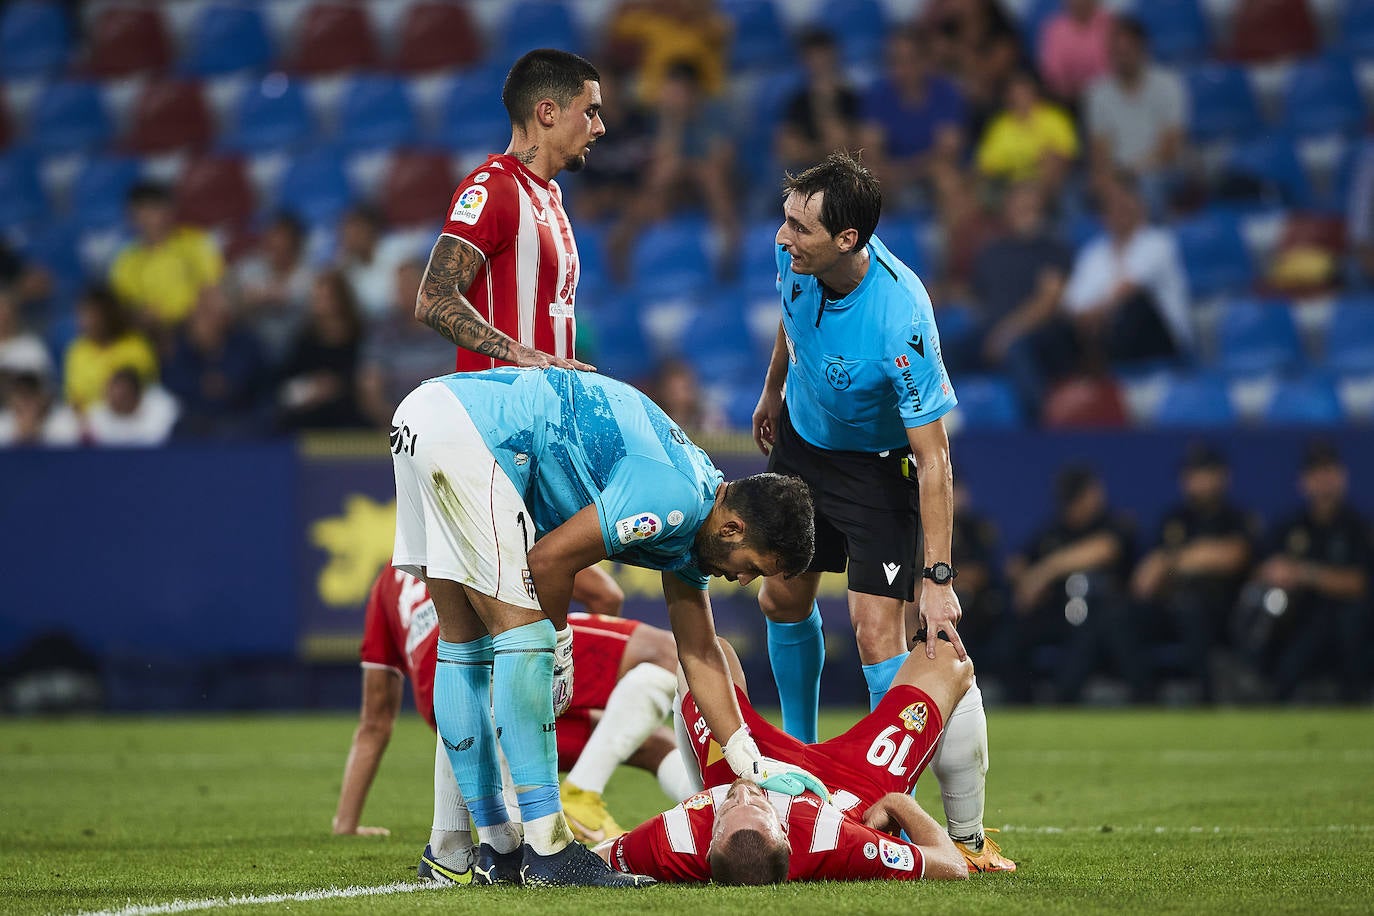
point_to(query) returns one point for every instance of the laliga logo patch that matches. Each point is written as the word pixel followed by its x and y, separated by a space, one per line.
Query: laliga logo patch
pixel 637 527
pixel 914 717
pixel 896 856
pixel 470 205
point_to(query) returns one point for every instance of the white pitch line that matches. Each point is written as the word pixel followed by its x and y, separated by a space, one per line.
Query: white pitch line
pixel 1216 829
pixel 219 903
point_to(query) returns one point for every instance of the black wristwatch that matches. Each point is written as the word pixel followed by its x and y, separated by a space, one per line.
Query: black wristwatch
pixel 940 573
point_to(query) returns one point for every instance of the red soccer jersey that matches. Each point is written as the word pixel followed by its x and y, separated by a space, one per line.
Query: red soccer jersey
pixel 527 285
pixel 827 844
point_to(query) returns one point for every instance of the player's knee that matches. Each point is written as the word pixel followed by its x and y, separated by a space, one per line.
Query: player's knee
pixel 780 606
pixel 659 648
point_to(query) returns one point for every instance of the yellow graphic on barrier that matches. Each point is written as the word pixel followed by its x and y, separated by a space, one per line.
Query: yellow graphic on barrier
pixel 359 543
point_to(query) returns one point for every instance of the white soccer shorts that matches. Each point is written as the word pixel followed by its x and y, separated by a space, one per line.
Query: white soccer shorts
pixel 457 513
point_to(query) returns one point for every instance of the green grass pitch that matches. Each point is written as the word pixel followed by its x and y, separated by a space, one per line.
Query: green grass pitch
pixel 1186 812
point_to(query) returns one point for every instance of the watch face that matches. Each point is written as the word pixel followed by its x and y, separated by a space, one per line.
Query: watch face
pixel 941 573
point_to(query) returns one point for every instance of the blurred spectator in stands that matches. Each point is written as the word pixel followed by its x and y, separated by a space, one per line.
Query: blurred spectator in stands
pixel 1360 212
pixel 676 388
pixel 914 119
pixel 1069 589
pixel 32 416
pixel 21 350
pixel 320 376
pixel 1030 140
pixel 653 38
pixel 132 413
pixel 1018 283
pixel 692 163
pixel 369 260
pixel 29 283
pixel 159 276
pixel 611 178
pixel 217 371
pixel 1315 583
pixel 1193 575
pixel 978 45
pixel 399 352
pixel 823 115
pixel 106 341
pixel 1136 113
pixel 1128 293
pixel 273 285
pixel 1072 48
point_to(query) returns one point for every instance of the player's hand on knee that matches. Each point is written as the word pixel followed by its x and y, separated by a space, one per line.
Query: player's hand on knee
pixel 562 671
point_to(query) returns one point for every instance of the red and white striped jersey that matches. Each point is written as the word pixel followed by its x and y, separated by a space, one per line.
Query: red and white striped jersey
pixel 528 283
pixel 829 842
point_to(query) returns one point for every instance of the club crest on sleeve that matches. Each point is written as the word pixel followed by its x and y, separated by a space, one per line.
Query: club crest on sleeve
pixel 469 205
pixel 675 517
pixel 870 851
pixel 698 801
pixel 637 527
pixel 896 856
pixel 914 717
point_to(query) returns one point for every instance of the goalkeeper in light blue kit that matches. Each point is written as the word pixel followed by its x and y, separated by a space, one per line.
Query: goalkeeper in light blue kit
pixel 510 481
pixel 859 354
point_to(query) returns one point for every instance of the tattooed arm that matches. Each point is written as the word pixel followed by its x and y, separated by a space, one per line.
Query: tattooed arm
pixel 442 305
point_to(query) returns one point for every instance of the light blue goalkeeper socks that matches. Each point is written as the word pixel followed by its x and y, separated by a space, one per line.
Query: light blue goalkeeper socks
pixel 523 688
pixel 462 710
pixel 797 654
pixel 879 676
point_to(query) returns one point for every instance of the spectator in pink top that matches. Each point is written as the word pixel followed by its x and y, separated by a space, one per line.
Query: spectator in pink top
pixel 1074 46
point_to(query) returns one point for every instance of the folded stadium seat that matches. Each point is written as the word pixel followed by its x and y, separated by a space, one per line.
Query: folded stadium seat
pixel 271 115
pixel 376 113
pixel 1178 29
pixel 758 256
pixel 215 191
pixel 35 38
pixel 1195 401
pixel 905 238
pixel 69 117
pixel 169 116
pixel 860 26
pixel 1349 346
pixel 417 188
pixel 1270 30
pixel 21 194
pixel 435 36
pixel 1221 103
pixel 1356 31
pixel 330 37
pixel 671 257
pixel 1093 402
pixel 227 38
pixel 986 402
pixel 622 348
pixel 315 187
pixel 124 39
pixel 530 24
pixel 1256 337
pixel 98 191
pixel 471 116
pixel 1272 163
pixel 1214 255
pixel 760 41
pixel 1308 400
pixel 1322 97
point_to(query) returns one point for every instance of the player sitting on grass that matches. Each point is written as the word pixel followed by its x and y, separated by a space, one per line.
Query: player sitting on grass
pixel 734 833
pixel 620 699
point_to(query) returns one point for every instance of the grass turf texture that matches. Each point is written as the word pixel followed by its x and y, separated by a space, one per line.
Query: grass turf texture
pixel 1254 811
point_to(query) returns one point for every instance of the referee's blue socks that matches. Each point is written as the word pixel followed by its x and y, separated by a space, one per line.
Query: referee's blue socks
pixel 462 710
pixel 879 676
pixel 797 654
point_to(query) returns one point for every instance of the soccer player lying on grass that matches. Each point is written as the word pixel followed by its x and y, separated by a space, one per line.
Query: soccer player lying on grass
pixel 619 702
pixel 735 833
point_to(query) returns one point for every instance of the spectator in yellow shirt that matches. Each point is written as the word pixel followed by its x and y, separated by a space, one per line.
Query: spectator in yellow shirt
pixel 107 343
pixel 1029 140
pixel 652 37
pixel 160 275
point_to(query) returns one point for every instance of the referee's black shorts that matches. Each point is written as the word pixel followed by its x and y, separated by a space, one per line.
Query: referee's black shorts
pixel 867 513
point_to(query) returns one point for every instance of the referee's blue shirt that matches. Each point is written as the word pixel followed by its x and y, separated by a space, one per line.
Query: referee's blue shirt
pixel 865 368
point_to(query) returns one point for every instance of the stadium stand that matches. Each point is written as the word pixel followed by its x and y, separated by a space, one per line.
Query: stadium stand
pixel 333 37
pixel 228 38
pixel 35 38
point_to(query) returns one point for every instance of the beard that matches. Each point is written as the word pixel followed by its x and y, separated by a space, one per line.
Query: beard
pixel 712 552
pixel 575 163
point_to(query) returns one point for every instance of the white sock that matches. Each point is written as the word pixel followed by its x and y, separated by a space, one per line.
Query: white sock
pixel 635 708
pixel 961 765
pixel 684 748
pixel 674 779
pixel 503 837
pixel 548 834
pixel 452 830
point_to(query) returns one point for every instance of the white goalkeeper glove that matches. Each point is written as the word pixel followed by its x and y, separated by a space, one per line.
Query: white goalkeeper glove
pixel 562 670
pixel 742 753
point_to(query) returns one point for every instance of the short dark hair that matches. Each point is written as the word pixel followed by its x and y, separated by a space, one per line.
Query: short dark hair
pixel 852 198
pixel 778 517
pixel 748 859
pixel 544 73
pixel 815 38
pixel 1129 25
pixel 148 192
pixel 1072 482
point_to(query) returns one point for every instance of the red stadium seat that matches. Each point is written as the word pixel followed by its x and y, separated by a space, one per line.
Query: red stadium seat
pixel 334 36
pixel 435 36
pixel 169 116
pixel 1266 30
pixel 215 191
pixel 1087 401
pixel 127 39
pixel 417 189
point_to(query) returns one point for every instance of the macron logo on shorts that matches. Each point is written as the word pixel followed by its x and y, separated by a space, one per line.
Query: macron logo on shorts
pixel 891 570
pixel 637 527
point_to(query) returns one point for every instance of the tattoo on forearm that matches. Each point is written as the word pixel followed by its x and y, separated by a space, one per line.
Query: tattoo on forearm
pixel 527 155
pixel 452 266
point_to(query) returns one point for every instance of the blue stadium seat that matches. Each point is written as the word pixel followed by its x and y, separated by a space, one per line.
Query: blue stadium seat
pixel 271 115
pixel 903 237
pixel 1177 28
pixel 1195 401
pixel 1214 255
pixel 21 195
pixel 1350 337
pixel 1221 103
pixel 69 117
pixel 1322 97
pixel 1309 400
pixel 1256 338
pixel 99 189
pixel 227 38
pixel 377 114
pixel 471 115
pixel 860 26
pixel 671 257
pixel 760 40
pixel 35 38
pixel 315 187
pixel 758 261
pixel 622 349
pixel 56 247
pixel 987 402
pixel 1357 28
pixel 1273 162
pixel 1034 16
pixel 531 24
